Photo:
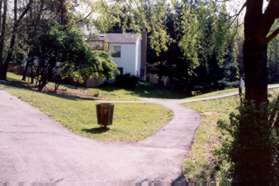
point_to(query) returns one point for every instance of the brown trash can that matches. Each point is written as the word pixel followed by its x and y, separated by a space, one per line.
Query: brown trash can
pixel 105 114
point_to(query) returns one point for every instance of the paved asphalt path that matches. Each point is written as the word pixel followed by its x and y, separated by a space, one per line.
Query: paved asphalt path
pixel 34 149
pixel 231 94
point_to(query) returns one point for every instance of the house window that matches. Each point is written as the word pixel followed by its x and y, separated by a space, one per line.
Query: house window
pixel 115 51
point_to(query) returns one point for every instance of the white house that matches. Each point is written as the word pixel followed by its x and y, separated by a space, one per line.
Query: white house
pixel 128 51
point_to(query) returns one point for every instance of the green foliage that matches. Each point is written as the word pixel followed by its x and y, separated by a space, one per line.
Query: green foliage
pixel 190 39
pixel 229 131
pixel 97 64
pixel 207 42
pixel 216 38
pixel 214 145
pixel 273 60
pixel 63 53
pixel 107 16
pixel 137 16
pixel 194 38
pixel 203 162
pixel 244 135
pixel 127 81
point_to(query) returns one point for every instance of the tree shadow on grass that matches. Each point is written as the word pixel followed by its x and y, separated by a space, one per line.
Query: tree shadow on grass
pixel 70 97
pixel 98 130
pixel 27 86
pixel 146 90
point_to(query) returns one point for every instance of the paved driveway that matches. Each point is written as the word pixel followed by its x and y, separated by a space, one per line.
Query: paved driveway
pixel 36 149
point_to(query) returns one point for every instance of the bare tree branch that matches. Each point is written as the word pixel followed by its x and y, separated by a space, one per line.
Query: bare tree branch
pixel 273 8
pixel 24 12
pixel 270 15
pixel 272 35
pixel 84 18
pixel 239 12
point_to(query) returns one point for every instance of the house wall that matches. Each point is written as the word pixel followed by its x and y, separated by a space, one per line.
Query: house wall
pixel 129 58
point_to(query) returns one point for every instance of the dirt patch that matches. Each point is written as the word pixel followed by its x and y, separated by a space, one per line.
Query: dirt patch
pixel 78 93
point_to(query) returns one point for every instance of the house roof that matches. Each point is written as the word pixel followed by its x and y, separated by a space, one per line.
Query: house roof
pixel 119 37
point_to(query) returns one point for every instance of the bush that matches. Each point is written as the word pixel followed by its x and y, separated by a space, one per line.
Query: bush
pixel 251 144
pixel 60 52
pixel 126 81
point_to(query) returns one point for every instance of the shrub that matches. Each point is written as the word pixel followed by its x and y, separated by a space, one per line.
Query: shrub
pixel 60 52
pixel 251 137
pixel 126 81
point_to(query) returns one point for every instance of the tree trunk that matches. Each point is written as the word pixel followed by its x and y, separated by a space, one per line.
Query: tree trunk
pixel 13 37
pixel 1 6
pixel 256 73
pixel 252 153
pixel 3 72
pixel 253 150
pixel 3 67
pixel 25 71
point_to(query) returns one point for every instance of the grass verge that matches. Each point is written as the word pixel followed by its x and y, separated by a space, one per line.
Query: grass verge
pixel 201 161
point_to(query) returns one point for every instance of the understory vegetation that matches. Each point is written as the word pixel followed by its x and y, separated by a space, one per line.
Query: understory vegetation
pixel 202 162
pixel 209 158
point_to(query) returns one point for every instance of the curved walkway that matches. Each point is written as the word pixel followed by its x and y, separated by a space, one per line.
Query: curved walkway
pixel 231 94
pixel 36 149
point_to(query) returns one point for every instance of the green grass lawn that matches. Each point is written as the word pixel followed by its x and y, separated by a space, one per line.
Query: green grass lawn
pixel 201 161
pixel 214 93
pixel 132 122
pixel 199 164
pixel 141 91
pixel 219 93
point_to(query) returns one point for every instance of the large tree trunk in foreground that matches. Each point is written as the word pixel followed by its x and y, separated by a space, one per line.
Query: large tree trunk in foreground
pixel 252 153
pixel 255 70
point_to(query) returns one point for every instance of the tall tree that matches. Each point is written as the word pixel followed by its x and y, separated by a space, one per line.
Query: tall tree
pixel 3 38
pixel 138 16
pixel 258 24
pixel 253 155
pixel 6 58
